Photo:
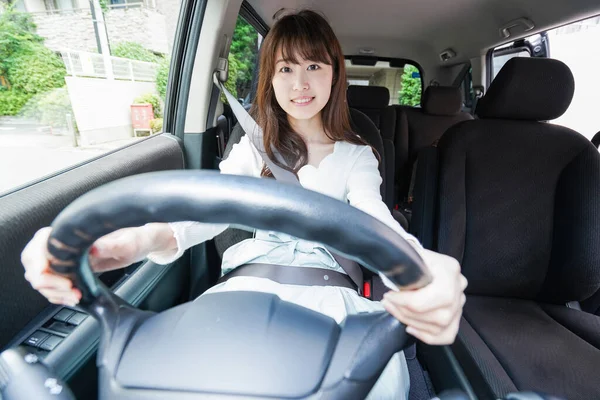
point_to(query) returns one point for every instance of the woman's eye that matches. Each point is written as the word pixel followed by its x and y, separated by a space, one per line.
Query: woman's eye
pixel 313 67
pixel 285 69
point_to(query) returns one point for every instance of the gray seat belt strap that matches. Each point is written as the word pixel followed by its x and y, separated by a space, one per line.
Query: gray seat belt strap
pixel 255 134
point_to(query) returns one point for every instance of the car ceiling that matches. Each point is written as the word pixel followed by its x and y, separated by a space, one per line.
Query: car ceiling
pixel 421 29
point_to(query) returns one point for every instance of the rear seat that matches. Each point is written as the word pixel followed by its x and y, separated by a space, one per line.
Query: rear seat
pixel 412 129
pixel 372 101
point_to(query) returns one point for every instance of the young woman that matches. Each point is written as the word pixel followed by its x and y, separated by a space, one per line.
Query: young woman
pixel 301 108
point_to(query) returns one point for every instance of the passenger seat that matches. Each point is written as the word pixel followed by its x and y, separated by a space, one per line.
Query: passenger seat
pixel 412 129
pixel 372 101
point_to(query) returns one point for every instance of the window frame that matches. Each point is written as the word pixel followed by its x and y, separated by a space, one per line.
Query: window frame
pixel 394 63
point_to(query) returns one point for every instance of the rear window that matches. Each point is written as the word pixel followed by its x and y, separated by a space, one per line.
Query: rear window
pixel 404 84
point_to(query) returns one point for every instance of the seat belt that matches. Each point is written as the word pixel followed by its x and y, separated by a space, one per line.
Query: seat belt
pixel 255 134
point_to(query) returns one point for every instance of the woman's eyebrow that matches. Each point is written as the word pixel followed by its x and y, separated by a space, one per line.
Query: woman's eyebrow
pixel 282 60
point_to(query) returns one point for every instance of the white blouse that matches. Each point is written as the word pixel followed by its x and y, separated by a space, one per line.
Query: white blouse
pixel 350 174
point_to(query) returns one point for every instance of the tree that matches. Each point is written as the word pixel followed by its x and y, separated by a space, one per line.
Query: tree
pixel 134 51
pixel 26 65
pixel 410 94
pixel 244 48
pixel 16 30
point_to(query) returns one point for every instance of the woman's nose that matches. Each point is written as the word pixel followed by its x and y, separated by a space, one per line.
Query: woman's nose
pixel 301 81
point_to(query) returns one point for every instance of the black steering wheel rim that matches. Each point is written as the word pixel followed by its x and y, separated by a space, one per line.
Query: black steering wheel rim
pixel 356 351
pixel 207 196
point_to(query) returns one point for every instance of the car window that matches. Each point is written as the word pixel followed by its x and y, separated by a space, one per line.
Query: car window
pixel 575 45
pixel 243 60
pixel 78 81
pixel 404 84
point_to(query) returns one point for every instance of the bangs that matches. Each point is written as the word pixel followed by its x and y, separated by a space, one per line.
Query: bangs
pixel 298 40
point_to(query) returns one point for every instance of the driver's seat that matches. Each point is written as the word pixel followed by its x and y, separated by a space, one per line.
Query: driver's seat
pixel 518 204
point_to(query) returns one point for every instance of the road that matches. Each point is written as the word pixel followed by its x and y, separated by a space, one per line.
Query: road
pixel 29 152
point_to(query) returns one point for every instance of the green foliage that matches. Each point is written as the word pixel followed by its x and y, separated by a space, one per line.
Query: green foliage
pixel 410 94
pixel 16 29
pixel 104 6
pixel 162 77
pixel 134 51
pixel 244 48
pixel 11 101
pixel 242 60
pixel 231 83
pixel 34 69
pixel 28 66
pixel 50 108
pixel 156 125
pixel 153 99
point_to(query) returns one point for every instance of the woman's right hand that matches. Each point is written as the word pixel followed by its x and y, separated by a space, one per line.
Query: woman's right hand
pixel 115 250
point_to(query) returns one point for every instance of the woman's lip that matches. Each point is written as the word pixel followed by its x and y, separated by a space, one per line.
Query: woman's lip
pixel 310 99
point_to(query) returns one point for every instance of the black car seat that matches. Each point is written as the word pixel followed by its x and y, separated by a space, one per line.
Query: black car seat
pixel 596 140
pixel 518 204
pixel 412 129
pixel 372 101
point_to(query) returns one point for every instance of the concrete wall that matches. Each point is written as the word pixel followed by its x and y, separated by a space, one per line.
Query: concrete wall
pixel 75 30
pixel 102 107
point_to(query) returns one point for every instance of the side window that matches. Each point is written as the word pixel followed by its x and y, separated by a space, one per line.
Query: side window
pixel 404 84
pixel 243 59
pixel 532 46
pixel 71 90
pixel 575 45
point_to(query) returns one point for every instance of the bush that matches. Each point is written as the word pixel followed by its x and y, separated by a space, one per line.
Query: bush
pixel 232 77
pixel 134 51
pixel 50 108
pixel 153 99
pixel 27 66
pixel 162 77
pixel 11 101
pixel 156 125
pixel 16 29
pixel 410 95
pixel 34 69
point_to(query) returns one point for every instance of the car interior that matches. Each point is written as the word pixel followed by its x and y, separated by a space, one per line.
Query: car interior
pixel 476 170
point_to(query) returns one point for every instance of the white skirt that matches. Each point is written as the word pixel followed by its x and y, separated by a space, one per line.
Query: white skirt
pixel 337 303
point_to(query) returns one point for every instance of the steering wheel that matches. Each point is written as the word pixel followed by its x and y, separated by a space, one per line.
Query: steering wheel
pixel 234 344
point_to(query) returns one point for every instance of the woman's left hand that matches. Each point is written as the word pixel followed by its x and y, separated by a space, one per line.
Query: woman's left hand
pixel 432 314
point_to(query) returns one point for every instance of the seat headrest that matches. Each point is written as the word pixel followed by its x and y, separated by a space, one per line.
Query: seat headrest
pixel 442 100
pixel 534 89
pixel 368 96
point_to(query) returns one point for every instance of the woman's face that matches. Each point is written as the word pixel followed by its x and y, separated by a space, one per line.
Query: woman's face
pixel 302 90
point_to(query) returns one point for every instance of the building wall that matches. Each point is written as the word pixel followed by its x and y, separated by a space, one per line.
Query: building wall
pixel 111 98
pixel 75 30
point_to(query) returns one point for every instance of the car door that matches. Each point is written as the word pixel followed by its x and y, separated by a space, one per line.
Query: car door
pixel 29 148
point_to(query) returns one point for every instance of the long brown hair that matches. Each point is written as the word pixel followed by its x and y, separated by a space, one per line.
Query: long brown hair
pixel 310 36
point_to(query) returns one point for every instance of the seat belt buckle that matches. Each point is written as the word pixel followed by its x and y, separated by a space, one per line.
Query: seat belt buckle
pixel 366 289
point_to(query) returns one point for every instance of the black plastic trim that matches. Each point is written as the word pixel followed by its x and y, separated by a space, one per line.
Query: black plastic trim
pixel 25 211
pixel 182 64
pixel 252 17
pixel 79 346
